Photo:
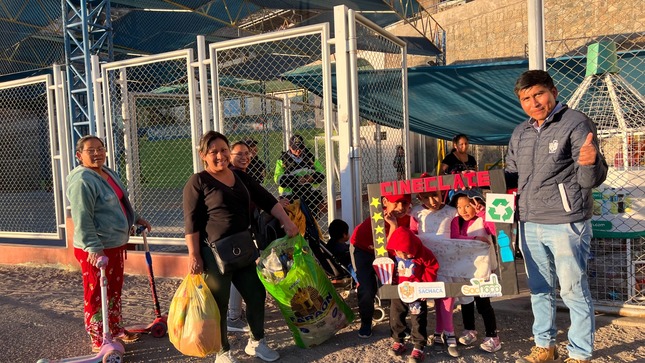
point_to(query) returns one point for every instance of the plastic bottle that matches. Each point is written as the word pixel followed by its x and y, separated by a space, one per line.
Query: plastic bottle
pixel 505 251
pixel 613 209
pixel 620 201
pixel 273 267
pixel 606 201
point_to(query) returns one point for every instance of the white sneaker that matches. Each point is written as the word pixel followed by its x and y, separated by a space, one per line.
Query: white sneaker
pixel 238 325
pixel 225 357
pixel 468 337
pixel 491 344
pixel 451 342
pixel 260 349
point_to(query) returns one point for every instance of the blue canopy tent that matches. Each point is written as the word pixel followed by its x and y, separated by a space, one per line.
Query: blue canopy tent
pixel 477 100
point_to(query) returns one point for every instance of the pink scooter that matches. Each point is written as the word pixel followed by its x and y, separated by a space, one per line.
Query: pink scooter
pixel 112 350
pixel 159 327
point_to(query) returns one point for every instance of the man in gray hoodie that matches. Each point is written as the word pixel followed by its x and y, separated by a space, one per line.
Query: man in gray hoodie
pixel 554 160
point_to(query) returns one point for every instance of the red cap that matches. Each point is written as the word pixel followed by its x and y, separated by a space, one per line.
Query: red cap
pixel 394 198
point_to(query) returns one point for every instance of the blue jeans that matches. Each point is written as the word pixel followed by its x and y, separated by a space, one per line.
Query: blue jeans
pixel 559 251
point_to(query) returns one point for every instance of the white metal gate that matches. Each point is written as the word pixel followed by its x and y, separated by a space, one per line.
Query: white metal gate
pixel 272 86
pixel 149 127
pixel 32 167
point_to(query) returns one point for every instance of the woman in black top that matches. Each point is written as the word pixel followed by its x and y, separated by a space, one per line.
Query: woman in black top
pixel 216 205
pixel 458 160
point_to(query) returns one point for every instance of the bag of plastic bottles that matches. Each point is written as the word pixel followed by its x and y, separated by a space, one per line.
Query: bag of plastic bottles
pixel 193 319
pixel 308 301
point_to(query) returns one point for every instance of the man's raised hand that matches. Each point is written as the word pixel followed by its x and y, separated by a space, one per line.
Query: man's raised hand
pixel 588 152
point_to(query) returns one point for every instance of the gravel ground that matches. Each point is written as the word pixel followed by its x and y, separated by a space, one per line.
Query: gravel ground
pixel 41 317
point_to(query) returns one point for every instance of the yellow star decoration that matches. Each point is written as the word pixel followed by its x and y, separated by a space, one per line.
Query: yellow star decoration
pixel 377 216
pixel 381 251
pixel 375 202
pixel 380 241
pixel 379 230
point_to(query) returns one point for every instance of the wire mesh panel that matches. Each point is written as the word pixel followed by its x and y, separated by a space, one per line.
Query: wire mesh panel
pixel 604 76
pixel 270 96
pixel 149 111
pixel 27 185
pixel 617 271
pixel 380 65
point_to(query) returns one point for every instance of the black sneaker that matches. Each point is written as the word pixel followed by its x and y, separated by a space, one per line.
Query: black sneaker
pixel 397 349
pixel 365 331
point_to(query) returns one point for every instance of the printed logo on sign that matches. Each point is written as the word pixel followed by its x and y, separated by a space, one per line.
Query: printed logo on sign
pixel 553 146
pixel 483 288
pixel 411 291
pixel 406 292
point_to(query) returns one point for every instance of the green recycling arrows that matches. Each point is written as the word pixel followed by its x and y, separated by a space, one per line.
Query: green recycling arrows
pixel 500 208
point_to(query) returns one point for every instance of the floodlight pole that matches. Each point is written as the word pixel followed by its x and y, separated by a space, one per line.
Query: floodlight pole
pixel 87 31
pixel 537 59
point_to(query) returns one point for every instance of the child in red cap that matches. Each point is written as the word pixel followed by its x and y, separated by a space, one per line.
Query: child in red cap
pixel 395 212
pixel 415 263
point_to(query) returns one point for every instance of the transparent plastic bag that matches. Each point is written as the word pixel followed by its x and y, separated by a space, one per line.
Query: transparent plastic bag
pixel 193 320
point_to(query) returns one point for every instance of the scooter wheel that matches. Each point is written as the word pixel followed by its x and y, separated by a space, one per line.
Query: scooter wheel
pixel 113 357
pixel 158 329
pixel 379 314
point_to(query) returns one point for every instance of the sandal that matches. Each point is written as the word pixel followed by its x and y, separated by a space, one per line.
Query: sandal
pixel 128 337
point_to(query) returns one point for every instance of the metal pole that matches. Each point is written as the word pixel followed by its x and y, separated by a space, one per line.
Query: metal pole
pixel 537 59
pixel 347 152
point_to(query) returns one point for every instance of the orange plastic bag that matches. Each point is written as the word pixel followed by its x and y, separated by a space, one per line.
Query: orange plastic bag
pixel 193 320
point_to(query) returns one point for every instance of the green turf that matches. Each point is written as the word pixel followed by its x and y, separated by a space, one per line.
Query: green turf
pixel 168 163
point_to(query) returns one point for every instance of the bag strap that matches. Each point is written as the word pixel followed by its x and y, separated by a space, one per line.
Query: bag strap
pixel 248 194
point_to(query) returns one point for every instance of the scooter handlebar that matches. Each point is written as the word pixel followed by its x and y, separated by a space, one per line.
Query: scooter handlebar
pixel 141 230
pixel 101 261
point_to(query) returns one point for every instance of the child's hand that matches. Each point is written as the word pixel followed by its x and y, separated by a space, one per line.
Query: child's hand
pixel 477 205
pixel 390 219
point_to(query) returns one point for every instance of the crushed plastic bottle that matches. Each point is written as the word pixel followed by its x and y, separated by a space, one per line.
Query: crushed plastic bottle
pixel 273 270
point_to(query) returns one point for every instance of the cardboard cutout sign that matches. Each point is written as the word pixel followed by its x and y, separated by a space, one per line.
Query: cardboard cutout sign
pixel 502 282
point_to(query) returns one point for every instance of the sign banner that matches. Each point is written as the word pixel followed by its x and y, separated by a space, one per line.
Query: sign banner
pixel 504 282
pixel 619 204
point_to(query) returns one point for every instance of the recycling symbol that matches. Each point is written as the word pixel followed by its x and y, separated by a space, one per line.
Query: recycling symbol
pixel 497 205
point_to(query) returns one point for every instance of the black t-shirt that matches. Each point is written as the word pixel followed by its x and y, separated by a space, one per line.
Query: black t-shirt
pixel 216 210
pixel 456 166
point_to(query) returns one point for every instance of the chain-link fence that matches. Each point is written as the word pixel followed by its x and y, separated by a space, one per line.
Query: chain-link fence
pixel 603 75
pixel 381 72
pixel 149 109
pixel 27 184
pixel 270 96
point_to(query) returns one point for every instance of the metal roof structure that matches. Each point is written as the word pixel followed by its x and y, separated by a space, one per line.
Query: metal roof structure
pixel 33 34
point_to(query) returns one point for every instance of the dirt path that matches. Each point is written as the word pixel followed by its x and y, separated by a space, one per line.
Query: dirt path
pixel 41 317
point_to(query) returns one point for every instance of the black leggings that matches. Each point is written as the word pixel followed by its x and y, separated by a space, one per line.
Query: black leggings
pixel 367 285
pixel 485 309
pixel 247 282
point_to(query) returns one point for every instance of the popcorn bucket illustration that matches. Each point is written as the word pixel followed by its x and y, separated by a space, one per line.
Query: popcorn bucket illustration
pixel 384 267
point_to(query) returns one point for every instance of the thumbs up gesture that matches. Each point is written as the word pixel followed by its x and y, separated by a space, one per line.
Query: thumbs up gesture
pixel 587 152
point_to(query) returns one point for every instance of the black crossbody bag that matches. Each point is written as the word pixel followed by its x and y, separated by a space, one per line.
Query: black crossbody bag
pixel 237 250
